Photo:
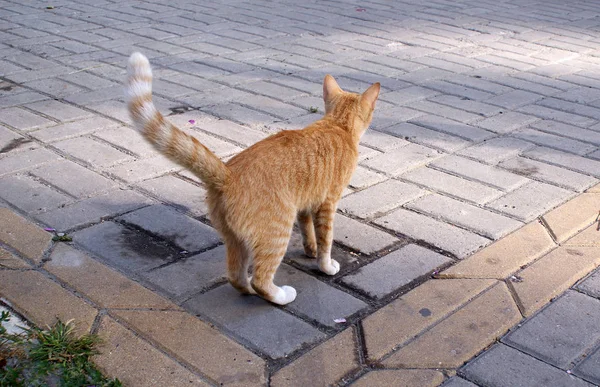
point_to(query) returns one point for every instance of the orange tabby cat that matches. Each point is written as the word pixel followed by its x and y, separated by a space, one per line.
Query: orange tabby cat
pixel 254 199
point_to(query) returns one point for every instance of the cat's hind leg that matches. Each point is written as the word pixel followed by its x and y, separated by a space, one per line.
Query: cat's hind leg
pixel 238 261
pixel 307 229
pixel 268 253
pixel 324 228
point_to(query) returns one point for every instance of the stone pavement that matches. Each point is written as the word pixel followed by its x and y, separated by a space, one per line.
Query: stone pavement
pixel 488 121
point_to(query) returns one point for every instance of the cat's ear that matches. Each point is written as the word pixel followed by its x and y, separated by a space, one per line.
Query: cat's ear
pixel 370 95
pixel 330 88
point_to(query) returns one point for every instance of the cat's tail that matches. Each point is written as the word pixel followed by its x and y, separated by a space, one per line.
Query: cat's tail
pixel 166 137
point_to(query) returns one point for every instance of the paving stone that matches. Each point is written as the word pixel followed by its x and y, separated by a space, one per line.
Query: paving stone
pixel 29 195
pixel 455 381
pixel 479 172
pixel 558 115
pixel 560 333
pixel 477 219
pixel 425 378
pixel 506 122
pixel 397 269
pixel 390 194
pixel 359 236
pixel 570 131
pixel 93 209
pixel 43 301
pixel 59 110
pixel 232 131
pixel 15 162
pixel 94 153
pixel 178 193
pixel 381 141
pixel 186 232
pixel 452 185
pixel 548 173
pixel 123 248
pixel 189 275
pixel 595 189
pixel 573 216
pixel 149 367
pixel 455 128
pixel 514 99
pixel 386 117
pixel 363 178
pixel 552 274
pixel 104 286
pixel 587 237
pixel 195 342
pixel 445 236
pixel 23 119
pixel 11 261
pixel 129 140
pixel 254 320
pixel 531 200
pixel 143 169
pixel 505 366
pixel 552 141
pixel 463 334
pixel 398 161
pixel 496 149
pixel 323 365
pixel 407 95
pixel 505 256
pixel 424 136
pixel 483 109
pixel 73 129
pixel 295 254
pixel 567 160
pixel 28 239
pixel 589 368
pixel 415 311
pixel 73 178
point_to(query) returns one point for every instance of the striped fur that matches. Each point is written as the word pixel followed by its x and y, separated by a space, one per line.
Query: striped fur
pixel 257 196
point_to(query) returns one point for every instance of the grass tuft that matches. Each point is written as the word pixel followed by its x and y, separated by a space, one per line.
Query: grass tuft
pixel 52 357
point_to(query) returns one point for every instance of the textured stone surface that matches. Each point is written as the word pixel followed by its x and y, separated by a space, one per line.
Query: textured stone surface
pixel 43 301
pixel 451 238
pixel 395 270
pixel 589 369
pixel 413 312
pixel 552 274
pixel 462 335
pixel 573 216
pixel 505 256
pixel 149 367
pixel 483 222
pixel 23 236
pixel 185 232
pixel 379 198
pixel 359 236
pixel 198 344
pixel 11 261
pixel 254 320
pixel 560 333
pixel 425 378
pixel 323 365
pixel 505 366
pixel 102 285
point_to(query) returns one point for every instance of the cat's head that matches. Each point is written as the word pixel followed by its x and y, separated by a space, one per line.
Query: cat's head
pixel 352 110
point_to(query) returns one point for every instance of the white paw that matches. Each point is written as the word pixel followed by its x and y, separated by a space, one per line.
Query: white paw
pixel 331 268
pixel 285 295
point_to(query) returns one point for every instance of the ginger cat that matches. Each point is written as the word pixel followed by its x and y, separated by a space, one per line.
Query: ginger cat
pixel 256 196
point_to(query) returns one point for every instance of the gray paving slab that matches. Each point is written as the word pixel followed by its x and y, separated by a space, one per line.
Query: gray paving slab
pixel 254 320
pixel 317 300
pixel 591 285
pixel 124 248
pixel 187 233
pixel 456 381
pixel 560 333
pixel 589 368
pixel 503 366
pixel 398 268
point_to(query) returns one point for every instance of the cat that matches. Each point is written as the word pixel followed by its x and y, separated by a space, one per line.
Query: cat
pixel 257 195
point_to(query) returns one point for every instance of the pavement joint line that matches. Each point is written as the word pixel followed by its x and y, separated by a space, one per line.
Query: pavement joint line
pixel 547 227
pixel 515 296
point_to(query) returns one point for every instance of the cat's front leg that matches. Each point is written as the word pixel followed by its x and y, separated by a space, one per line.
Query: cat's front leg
pixel 324 228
